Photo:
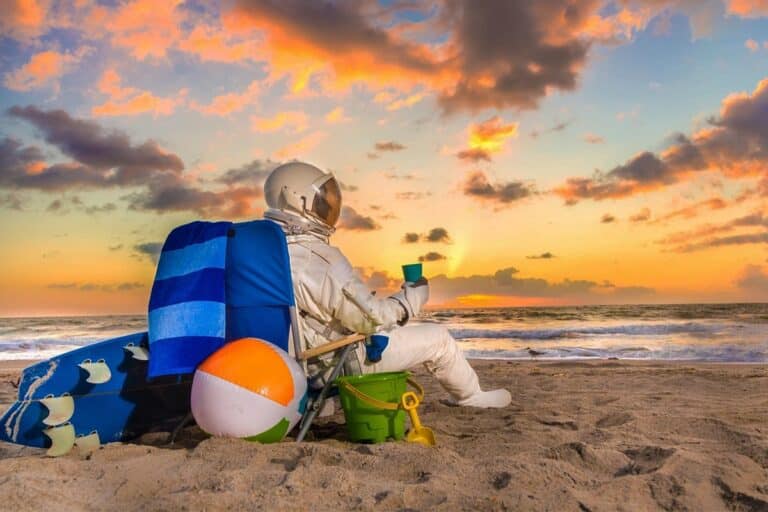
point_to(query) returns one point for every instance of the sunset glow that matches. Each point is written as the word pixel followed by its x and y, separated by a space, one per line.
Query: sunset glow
pixel 528 153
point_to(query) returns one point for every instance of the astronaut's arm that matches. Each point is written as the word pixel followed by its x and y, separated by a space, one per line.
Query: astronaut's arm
pixel 361 311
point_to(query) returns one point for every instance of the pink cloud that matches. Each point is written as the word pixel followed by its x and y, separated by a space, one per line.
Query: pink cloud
pixel 43 69
pixel 129 101
pixel 226 104
pixel 294 121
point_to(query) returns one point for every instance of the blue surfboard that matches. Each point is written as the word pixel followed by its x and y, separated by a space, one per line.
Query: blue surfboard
pixel 96 394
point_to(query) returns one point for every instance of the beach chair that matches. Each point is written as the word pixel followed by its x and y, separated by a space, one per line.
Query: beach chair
pixel 260 304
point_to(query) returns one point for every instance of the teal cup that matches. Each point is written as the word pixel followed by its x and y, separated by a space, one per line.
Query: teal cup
pixel 412 272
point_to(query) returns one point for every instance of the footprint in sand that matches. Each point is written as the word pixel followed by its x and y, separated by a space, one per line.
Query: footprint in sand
pixel 645 460
pixel 614 420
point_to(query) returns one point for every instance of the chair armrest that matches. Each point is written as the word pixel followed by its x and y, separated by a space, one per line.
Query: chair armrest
pixel 331 346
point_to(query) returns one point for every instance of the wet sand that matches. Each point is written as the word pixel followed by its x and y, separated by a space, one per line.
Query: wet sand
pixel 597 435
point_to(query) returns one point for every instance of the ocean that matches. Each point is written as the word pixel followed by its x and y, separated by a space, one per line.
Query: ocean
pixel 693 332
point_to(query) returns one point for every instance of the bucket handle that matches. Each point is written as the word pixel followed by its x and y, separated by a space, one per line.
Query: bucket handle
pixel 389 406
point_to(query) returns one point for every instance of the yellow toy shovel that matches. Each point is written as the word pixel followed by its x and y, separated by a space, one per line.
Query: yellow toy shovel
pixel 418 433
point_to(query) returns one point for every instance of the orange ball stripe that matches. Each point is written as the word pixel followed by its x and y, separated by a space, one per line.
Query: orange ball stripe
pixel 254 365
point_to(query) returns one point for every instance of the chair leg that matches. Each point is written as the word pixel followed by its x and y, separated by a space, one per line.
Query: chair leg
pixel 188 418
pixel 317 404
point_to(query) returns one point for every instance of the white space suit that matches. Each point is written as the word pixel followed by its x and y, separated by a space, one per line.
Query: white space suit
pixel 333 302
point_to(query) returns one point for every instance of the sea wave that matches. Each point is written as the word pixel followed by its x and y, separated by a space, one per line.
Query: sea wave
pixel 718 353
pixel 697 329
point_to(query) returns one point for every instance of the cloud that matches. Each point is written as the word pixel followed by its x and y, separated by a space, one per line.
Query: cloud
pixel 211 44
pixel 537 47
pixel 641 216
pixel 302 146
pixel 412 196
pixel 229 103
pixel 405 102
pixel 150 250
pixel 104 159
pixel 735 143
pixel 144 28
pixel 98 287
pixel 542 256
pixel 435 235
pixel 10 201
pixel 103 208
pixel 115 247
pixel 486 138
pixel 438 235
pixel 591 138
pixel 693 210
pixel 753 278
pixel 746 239
pixel 55 206
pixel 508 282
pixel 477 185
pixel 378 280
pixel 389 146
pixel 43 69
pixel 252 173
pixel 559 127
pixel 336 116
pixel 101 158
pixel 23 19
pixel 703 237
pixel 747 8
pixel 432 256
pixel 231 202
pixel 607 218
pixel 354 221
pixel 411 238
pixel 295 121
pixel 128 101
pixel 474 155
pixel 751 45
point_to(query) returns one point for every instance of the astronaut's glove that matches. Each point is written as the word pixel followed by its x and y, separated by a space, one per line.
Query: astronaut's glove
pixel 412 296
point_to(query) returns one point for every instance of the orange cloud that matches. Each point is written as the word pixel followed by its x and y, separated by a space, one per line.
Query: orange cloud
pixel 211 44
pixel 622 25
pixel 688 212
pixel 748 8
pixel 128 101
pixel 23 19
pixel 751 45
pixel 296 121
pixel 146 28
pixel 336 116
pixel 491 134
pixel 226 104
pixel 293 50
pixel 43 69
pixel 301 147
pixel 408 101
pixel 486 138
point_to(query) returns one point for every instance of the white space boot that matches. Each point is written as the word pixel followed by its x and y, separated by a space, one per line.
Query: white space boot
pixel 495 398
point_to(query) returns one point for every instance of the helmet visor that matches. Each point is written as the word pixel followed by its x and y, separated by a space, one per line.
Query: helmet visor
pixel 327 202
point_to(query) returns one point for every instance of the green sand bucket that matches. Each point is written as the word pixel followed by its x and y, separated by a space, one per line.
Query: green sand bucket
pixel 371 405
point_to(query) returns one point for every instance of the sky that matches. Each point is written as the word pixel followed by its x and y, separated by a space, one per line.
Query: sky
pixel 528 153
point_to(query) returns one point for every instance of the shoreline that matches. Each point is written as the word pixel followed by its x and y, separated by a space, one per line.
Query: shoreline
pixel 20 364
pixel 579 435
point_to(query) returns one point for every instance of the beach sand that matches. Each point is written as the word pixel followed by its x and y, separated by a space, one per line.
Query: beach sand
pixel 602 435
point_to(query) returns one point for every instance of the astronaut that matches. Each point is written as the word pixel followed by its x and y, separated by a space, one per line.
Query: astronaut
pixel 333 302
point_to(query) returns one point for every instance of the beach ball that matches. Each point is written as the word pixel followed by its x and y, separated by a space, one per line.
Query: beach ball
pixel 249 389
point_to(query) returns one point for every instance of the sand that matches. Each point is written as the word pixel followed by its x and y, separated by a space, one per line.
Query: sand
pixel 603 435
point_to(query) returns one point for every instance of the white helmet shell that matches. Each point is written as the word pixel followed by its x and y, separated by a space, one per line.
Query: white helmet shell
pixel 301 189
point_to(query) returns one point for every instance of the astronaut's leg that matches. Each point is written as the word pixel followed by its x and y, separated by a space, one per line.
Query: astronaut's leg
pixel 433 346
